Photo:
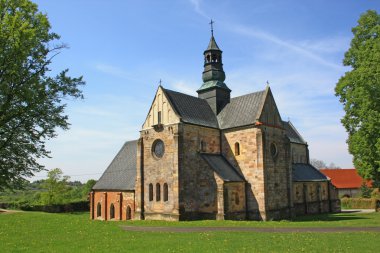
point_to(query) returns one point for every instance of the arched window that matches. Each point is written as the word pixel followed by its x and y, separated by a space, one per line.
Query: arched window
pixel 150 192
pixel 159 117
pixel 129 213
pixel 166 192
pixel 158 192
pixel 237 148
pixel 213 58
pixel 99 210
pixel 237 201
pixel 112 211
pixel 202 146
pixel 208 58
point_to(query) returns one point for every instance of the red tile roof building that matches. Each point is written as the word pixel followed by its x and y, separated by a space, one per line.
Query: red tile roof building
pixel 347 181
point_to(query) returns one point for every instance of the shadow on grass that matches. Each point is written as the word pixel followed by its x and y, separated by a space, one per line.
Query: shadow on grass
pixel 329 217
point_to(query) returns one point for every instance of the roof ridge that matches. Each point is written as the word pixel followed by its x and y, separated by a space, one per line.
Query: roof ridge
pixel 256 92
pixel 338 169
pixel 181 93
pixel 296 131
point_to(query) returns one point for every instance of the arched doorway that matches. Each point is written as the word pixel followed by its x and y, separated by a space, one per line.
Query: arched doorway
pixel 129 213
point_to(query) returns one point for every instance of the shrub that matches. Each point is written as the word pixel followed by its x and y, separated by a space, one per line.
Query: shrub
pixel 376 193
pixel 358 203
pixel 365 191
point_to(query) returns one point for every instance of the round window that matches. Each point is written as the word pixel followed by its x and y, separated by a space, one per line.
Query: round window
pixel 273 150
pixel 158 148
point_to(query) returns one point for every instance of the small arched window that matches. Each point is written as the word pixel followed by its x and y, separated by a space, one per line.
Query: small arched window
pixel 213 58
pixel 150 192
pixel 208 58
pixel 112 211
pixel 159 117
pixel 237 148
pixel 158 192
pixel 166 192
pixel 129 213
pixel 202 146
pixel 99 210
pixel 237 201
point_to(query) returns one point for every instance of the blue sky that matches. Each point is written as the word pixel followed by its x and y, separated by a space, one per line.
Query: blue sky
pixel 123 48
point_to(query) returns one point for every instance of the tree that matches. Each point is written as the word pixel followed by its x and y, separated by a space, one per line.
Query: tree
pixel 319 164
pixel 56 187
pixel 88 187
pixel 365 191
pixel 31 101
pixel 333 166
pixel 359 92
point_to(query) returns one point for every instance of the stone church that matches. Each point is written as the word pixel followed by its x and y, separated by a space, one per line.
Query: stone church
pixel 213 157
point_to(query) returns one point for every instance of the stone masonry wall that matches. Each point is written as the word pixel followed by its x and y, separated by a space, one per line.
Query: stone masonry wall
pixel 314 197
pixel 234 194
pixel 158 171
pixel 198 187
pixel 298 153
pixel 277 169
pixel 250 163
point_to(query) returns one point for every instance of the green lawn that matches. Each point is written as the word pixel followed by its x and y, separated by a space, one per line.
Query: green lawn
pixel 44 232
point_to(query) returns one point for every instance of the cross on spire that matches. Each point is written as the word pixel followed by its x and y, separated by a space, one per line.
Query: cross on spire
pixel 160 81
pixel 212 27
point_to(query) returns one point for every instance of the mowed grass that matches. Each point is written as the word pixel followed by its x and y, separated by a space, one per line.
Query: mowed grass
pixel 44 232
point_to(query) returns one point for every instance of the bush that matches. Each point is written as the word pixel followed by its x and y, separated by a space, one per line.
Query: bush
pixel 365 191
pixel 376 193
pixel 79 206
pixel 359 203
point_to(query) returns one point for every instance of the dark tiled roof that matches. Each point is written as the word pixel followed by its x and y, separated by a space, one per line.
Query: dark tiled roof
pixel 292 133
pixel 121 173
pixel 222 167
pixel 241 111
pixel 192 109
pixel 212 44
pixel 306 172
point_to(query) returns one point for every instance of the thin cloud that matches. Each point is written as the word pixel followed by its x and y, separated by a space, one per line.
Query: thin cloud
pixel 115 71
pixel 197 8
pixel 184 87
pixel 250 32
pixel 94 111
pixel 337 44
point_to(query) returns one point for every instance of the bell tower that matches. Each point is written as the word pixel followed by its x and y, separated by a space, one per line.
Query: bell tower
pixel 213 89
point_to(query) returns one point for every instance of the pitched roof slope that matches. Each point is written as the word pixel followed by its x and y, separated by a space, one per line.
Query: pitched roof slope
pixel 121 173
pixel 241 111
pixel 345 178
pixel 222 167
pixel 192 109
pixel 307 172
pixel 292 133
pixel 212 44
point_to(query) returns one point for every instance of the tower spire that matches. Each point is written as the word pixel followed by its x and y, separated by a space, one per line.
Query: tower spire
pixel 213 89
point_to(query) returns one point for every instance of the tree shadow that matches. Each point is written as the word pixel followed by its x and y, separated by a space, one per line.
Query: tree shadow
pixel 329 217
